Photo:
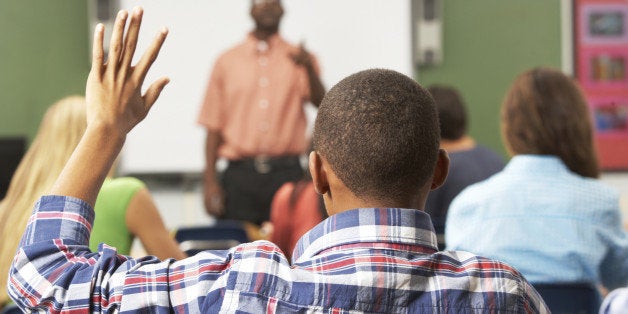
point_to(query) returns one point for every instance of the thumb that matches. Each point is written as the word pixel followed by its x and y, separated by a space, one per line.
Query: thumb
pixel 153 92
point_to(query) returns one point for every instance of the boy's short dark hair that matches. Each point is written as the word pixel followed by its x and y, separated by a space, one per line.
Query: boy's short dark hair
pixel 378 129
pixel 452 112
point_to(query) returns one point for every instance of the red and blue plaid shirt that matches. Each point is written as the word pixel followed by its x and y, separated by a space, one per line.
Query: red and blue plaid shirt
pixel 365 260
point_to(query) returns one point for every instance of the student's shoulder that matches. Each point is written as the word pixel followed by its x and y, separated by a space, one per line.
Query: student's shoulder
pixel 259 251
pixel 478 269
pixel 234 52
pixel 597 188
pixel 484 190
pixel 126 182
pixel 476 265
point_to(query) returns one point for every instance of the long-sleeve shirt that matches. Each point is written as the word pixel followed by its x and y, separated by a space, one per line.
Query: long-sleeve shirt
pixel 370 260
pixel 550 223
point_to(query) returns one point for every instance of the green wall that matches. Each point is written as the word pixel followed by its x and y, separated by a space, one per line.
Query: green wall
pixel 44 56
pixel 486 43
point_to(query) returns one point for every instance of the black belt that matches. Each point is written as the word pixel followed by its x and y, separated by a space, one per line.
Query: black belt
pixel 265 164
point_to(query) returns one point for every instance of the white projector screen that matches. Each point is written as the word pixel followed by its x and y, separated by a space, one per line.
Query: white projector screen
pixel 346 35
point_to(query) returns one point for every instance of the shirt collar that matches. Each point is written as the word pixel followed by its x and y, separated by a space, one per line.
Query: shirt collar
pixel 273 41
pixel 368 225
pixel 536 164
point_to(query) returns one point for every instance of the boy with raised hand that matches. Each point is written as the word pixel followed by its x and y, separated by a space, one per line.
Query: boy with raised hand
pixel 376 157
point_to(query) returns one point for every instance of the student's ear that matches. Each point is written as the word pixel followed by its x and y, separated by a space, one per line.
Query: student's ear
pixel 319 175
pixel 441 170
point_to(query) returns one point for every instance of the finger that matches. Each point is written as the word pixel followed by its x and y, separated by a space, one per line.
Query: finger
pixel 115 45
pixel 97 53
pixel 150 55
pixel 130 42
pixel 153 92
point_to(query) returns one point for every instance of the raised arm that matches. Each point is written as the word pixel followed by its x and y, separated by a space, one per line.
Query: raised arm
pixel 115 105
pixel 213 193
pixel 54 268
pixel 305 59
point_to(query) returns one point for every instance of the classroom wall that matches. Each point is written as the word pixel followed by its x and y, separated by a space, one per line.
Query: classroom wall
pixel 486 44
pixel 44 55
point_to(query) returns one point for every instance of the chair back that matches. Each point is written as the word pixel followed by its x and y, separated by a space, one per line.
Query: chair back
pixel 222 235
pixel 577 298
pixel 10 309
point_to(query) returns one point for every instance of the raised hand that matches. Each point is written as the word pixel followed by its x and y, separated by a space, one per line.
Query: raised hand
pixel 302 57
pixel 115 104
pixel 305 59
pixel 113 90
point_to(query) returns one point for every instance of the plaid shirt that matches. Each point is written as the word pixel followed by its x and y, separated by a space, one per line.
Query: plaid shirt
pixel 367 260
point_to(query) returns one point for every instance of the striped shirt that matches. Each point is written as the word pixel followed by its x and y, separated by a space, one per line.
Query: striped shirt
pixel 615 302
pixel 362 260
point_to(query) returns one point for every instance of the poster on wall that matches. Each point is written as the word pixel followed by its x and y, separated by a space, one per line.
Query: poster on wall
pixel 601 56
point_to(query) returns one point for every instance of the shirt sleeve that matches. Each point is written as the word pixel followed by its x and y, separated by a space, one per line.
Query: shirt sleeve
pixel 211 114
pixel 532 300
pixel 616 302
pixel 614 268
pixel 54 269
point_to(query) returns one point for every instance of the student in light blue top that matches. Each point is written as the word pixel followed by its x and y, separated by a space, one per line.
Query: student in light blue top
pixel 545 213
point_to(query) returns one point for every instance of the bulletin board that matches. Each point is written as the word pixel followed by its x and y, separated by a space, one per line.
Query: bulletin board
pixel 601 57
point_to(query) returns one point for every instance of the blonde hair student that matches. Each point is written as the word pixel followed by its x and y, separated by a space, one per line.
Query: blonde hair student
pixel 132 211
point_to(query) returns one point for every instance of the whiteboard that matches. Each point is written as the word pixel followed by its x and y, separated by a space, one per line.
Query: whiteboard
pixel 347 36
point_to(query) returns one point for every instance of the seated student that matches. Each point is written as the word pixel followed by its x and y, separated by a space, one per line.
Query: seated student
pixel 124 206
pixel 545 213
pixel 296 208
pixel 376 153
pixel 469 162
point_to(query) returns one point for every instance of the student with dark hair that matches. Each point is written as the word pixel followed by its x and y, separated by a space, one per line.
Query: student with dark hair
pixel 545 213
pixel 470 162
pixel 376 157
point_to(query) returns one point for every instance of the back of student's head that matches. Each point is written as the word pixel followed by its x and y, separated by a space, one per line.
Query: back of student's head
pixel 452 113
pixel 545 113
pixel 378 129
pixel 59 133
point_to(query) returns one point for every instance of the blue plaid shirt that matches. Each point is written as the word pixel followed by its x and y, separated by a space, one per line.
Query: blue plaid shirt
pixel 366 260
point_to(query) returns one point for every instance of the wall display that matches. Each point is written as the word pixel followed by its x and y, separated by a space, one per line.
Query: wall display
pixel 601 49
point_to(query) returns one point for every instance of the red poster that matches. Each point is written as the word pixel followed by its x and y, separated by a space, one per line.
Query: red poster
pixel 601 56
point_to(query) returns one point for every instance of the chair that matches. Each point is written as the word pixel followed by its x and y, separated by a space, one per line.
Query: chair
pixel 222 235
pixel 11 309
pixel 12 150
pixel 570 297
